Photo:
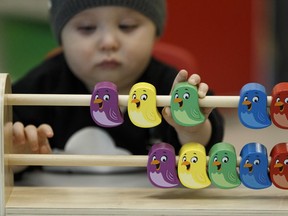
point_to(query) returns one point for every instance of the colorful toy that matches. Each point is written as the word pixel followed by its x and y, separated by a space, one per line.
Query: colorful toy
pixel 15 200
pixel 279 165
pixel 253 167
pixel 161 167
pixel 104 107
pixel 279 105
pixel 252 108
pixel 222 166
pixel 185 106
pixel 192 166
pixel 142 109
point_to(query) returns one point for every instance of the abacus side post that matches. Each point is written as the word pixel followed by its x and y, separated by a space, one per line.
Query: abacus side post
pixel 6 175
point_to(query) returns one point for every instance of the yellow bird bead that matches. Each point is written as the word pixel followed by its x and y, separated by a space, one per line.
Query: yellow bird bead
pixel 192 166
pixel 142 109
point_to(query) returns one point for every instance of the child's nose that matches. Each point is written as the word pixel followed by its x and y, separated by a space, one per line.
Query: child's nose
pixel 109 41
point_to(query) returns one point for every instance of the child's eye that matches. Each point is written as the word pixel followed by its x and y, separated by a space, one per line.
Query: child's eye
pixel 127 27
pixel 86 29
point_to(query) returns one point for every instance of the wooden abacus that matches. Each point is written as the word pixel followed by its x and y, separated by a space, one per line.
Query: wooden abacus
pixel 111 201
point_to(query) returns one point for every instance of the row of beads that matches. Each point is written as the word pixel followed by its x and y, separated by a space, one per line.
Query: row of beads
pixel 192 170
pixel 142 109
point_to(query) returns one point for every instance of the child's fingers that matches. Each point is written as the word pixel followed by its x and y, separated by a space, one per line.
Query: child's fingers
pixel 32 137
pixel 18 133
pixel 194 79
pixel 181 77
pixel 202 90
pixel 44 132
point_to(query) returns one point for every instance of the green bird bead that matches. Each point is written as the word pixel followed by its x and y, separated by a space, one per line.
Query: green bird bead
pixel 222 166
pixel 185 105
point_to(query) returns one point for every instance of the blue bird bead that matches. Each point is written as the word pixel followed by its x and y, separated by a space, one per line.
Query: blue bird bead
pixel 252 107
pixel 253 167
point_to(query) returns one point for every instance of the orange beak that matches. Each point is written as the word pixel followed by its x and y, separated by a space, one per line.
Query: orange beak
pixel 156 163
pixel 137 102
pixel 218 164
pixel 179 101
pixel 280 105
pixel 249 166
pixel 100 102
pixel 248 104
pixel 279 166
pixel 187 164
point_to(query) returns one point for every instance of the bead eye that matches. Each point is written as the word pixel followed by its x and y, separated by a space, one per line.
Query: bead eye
pixel 144 97
pixel 225 159
pixel 277 161
pixel 184 159
pixel 286 162
pixel 256 162
pixel 245 98
pixel 247 161
pixel 286 100
pixel 164 158
pixel 215 159
pixel 176 96
pixel 106 97
pixel 186 96
pixel 277 99
pixel 255 99
pixel 194 159
pixel 134 96
pixel 154 157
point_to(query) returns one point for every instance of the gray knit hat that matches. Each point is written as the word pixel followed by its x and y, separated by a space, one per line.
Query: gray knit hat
pixel 63 10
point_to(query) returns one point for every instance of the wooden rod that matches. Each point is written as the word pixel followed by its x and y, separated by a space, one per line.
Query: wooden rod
pixel 75 160
pixel 84 100
pixel 82 160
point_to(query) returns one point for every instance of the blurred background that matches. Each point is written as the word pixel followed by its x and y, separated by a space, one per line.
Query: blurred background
pixel 230 42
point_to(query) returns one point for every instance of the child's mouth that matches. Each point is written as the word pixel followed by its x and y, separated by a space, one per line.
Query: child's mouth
pixel 108 64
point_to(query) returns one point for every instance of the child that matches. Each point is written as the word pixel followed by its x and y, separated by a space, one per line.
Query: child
pixel 104 40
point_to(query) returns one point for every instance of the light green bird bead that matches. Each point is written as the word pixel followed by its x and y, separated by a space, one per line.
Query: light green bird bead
pixel 222 166
pixel 185 105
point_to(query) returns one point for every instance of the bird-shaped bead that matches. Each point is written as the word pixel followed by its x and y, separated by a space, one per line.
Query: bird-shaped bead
pixel 161 166
pixel 185 106
pixel 142 108
pixel 279 165
pixel 253 167
pixel 252 108
pixel 222 166
pixel 104 108
pixel 192 162
pixel 279 105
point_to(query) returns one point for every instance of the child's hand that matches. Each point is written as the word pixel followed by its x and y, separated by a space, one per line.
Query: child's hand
pixel 200 133
pixel 29 139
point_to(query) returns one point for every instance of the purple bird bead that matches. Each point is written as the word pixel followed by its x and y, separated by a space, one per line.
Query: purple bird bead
pixel 161 167
pixel 104 107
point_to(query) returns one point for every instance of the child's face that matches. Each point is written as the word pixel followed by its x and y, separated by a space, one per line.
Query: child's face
pixel 108 44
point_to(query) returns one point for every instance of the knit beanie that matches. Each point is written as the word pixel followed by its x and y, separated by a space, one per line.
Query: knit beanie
pixel 62 11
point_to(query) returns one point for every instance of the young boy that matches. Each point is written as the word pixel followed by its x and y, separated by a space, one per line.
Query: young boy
pixel 104 40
